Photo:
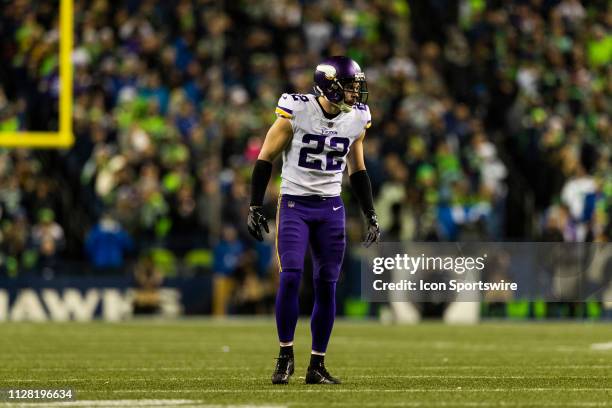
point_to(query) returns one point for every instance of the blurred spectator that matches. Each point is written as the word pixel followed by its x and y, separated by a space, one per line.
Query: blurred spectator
pixel 107 243
pixel 47 239
pixel 252 290
pixel 148 279
pixel 227 255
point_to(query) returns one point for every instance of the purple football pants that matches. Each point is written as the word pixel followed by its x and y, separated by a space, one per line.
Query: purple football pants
pixel 319 222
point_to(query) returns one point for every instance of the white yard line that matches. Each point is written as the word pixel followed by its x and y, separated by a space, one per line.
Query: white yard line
pixel 334 389
pixel 495 377
pixel 126 368
pixel 259 378
pixel 108 403
pixel 136 403
pixel 195 404
pixel 439 403
pixel 353 368
pixel 601 346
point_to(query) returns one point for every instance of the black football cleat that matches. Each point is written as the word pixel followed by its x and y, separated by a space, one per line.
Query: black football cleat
pixel 320 375
pixel 284 369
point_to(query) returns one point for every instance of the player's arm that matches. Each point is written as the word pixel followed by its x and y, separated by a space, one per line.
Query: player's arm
pixel 277 138
pixel 360 182
pixel 355 161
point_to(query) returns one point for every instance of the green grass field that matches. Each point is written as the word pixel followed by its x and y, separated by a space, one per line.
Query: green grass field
pixel 203 363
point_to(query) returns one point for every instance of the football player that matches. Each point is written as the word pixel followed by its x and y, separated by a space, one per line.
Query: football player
pixel 319 136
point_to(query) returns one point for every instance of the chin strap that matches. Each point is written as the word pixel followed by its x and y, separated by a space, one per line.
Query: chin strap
pixel 344 107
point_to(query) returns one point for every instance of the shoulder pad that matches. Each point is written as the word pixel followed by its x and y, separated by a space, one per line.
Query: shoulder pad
pixel 363 111
pixel 288 104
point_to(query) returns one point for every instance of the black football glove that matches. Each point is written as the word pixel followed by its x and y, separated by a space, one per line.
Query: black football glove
pixel 373 229
pixel 256 221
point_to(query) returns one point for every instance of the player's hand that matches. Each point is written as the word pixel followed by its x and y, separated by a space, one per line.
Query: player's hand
pixel 373 229
pixel 256 221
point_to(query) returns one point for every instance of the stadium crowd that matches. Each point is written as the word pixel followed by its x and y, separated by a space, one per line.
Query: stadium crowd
pixel 492 125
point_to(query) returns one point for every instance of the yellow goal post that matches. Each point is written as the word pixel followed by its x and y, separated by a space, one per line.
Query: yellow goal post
pixel 64 137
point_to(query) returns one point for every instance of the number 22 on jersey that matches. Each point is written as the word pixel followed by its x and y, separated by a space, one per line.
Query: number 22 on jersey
pixel 316 144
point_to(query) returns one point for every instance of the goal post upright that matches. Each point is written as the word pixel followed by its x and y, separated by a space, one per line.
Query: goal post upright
pixel 64 137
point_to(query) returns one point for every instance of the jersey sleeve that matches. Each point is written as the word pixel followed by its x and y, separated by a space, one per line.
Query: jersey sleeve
pixel 367 118
pixel 364 114
pixel 289 104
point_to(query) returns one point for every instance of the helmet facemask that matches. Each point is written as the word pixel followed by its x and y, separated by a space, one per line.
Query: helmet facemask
pixel 358 87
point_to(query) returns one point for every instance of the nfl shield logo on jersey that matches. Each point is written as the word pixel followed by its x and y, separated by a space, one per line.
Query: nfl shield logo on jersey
pixel 291 204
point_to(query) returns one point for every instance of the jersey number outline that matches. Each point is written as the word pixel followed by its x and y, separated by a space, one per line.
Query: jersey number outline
pixel 299 97
pixel 332 158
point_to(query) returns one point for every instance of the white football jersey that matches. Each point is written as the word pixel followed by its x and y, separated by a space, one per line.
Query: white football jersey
pixel 316 157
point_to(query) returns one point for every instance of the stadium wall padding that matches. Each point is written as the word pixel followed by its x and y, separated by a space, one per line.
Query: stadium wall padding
pixel 87 298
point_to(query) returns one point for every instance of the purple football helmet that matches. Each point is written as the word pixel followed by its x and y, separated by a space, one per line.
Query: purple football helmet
pixel 336 75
